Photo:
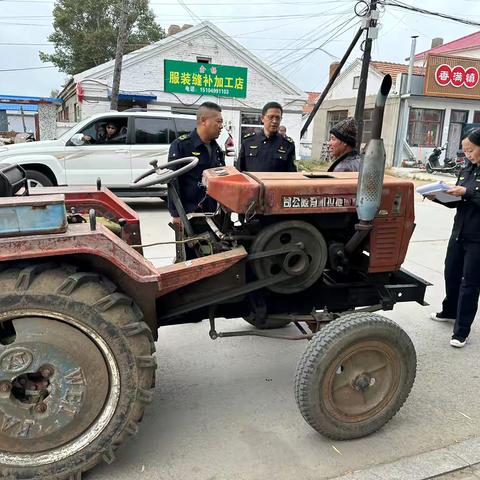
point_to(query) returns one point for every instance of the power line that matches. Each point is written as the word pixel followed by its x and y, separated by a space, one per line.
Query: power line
pixel 333 34
pixel 189 11
pixel 26 68
pixel 7 44
pixel 233 4
pixel 308 40
pixel 220 17
pixel 25 24
pixel 405 6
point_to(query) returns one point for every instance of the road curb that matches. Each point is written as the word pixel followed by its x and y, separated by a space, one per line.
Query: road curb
pixel 416 174
pixel 428 465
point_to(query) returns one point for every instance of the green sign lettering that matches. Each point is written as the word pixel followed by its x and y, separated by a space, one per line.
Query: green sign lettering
pixel 205 79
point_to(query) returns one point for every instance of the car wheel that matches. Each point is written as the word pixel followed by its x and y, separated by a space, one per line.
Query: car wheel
pixel 37 179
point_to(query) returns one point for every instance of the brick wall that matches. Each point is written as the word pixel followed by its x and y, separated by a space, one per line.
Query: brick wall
pixel 47 117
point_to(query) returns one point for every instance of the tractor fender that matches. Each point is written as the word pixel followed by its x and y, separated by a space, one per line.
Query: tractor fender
pixel 95 250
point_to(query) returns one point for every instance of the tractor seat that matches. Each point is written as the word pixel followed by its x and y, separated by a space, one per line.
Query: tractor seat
pixel 12 179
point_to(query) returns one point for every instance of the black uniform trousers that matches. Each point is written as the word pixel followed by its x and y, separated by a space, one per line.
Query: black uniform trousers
pixel 462 284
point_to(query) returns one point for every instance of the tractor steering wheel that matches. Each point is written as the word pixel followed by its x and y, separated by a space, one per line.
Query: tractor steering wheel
pixel 164 173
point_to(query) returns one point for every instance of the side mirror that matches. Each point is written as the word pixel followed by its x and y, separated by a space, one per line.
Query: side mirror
pixel 77 139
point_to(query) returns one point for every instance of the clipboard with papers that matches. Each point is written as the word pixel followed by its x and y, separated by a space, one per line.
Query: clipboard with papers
pixel 439 190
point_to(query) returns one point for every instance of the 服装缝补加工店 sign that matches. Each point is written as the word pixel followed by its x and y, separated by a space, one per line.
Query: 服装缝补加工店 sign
pixel 205 79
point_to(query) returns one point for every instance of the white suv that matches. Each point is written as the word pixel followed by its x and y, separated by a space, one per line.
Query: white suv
pixel 73 160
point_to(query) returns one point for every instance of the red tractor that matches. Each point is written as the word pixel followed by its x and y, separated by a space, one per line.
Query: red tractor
pixel 80 306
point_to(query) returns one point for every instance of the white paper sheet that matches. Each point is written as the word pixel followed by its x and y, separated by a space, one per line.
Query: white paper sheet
pixel 439 191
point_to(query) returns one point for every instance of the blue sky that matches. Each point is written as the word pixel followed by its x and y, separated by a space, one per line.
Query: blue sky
pixel 280 32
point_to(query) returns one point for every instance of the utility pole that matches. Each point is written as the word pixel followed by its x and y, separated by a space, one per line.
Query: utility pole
pixel 370 24
pixel 331 81
pixel 121 42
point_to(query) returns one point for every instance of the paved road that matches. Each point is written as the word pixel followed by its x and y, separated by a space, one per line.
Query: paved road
pixel 469 473
pixel 225 410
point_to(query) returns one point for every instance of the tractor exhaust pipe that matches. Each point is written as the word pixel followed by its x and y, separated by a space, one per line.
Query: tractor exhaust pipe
pixel 372 169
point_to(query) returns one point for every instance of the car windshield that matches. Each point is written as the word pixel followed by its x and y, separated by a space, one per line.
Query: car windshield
pixel 69 133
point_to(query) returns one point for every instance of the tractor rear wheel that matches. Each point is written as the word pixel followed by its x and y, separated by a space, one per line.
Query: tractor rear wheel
pixel 76 369
pixel 355 375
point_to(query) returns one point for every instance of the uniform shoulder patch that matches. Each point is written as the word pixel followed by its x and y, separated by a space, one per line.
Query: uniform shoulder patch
pixel 183 137
pixel 289 139
pixel 248 135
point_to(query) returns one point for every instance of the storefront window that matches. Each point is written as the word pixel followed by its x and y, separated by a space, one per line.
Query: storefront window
pixel 424 127
pixel 367 125
pixel 334 117
pixel 459 116
pixel 476 116
pixel 250 123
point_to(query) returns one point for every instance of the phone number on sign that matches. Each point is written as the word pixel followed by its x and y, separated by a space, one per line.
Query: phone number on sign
pixel 218 91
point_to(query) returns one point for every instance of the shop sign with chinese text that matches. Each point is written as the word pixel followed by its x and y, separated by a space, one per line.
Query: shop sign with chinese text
pixel 205 79
pixel 456 77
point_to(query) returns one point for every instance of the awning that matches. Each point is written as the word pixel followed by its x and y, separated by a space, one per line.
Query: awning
pixel 134 97
pixel 17 107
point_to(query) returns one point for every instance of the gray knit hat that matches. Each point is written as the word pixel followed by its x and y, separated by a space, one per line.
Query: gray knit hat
pixel 346 131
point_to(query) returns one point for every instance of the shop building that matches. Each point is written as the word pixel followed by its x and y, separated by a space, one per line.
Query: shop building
pixel 442 102
pixel 178 73
pixel 341 100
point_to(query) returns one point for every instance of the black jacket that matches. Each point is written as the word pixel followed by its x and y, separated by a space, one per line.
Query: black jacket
pixel 466 225
pixel 189 185
pixel 260 153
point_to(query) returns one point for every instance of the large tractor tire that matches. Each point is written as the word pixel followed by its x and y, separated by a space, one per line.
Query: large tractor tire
pixel 76 369
pixel 355 375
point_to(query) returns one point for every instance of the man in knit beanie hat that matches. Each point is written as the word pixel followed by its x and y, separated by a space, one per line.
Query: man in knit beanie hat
pixel 343 137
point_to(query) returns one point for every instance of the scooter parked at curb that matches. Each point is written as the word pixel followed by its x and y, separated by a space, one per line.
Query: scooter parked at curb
pixel 452 166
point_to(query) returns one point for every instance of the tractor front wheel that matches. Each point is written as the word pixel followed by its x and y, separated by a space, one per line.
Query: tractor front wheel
pixel 76 369
pixel 355 375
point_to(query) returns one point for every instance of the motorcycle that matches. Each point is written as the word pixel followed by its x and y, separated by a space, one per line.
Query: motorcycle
pixel 450 165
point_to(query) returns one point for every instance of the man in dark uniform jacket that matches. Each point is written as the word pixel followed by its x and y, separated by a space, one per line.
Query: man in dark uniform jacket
pixel 201 144
pixel 267 151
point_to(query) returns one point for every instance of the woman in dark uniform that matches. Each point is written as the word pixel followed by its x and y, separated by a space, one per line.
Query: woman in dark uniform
pixel 462 263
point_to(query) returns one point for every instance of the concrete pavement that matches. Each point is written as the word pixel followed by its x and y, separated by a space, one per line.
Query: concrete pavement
pixel 469 473
pixel 225 410
pixel 422 175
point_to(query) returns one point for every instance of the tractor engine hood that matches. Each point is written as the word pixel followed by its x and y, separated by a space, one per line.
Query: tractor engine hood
pixel 301 192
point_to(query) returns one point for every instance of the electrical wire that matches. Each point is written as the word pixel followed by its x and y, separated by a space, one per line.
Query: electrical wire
pixel 339 31
pixel 307 41
pixel 406 6
pixel 189 11
pixel 26 68
pixel 199 4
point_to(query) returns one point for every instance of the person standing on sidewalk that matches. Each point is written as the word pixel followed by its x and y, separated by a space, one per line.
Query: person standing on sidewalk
pixel 462 263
